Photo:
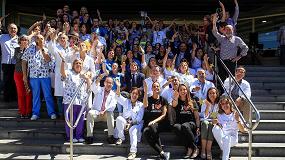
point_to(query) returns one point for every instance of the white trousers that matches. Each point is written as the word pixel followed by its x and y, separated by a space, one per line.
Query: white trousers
pixel 225 141
pixel 93 117
pixel 134 132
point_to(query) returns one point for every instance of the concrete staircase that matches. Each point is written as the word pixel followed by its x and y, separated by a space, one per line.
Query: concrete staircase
pixel 44 138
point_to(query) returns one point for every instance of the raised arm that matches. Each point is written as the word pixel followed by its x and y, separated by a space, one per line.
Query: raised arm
pixel 236 14
pixel 99 16
pixel 62 70
pixel 215 29
pixel 193 52
pixel 165 57
pixel 175 98
pixel 38 23
pixel 223 19
pixel 145 97
pixel 206 61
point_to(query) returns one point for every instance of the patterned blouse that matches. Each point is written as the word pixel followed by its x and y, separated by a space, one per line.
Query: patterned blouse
pixel 71 82
pixel 37 67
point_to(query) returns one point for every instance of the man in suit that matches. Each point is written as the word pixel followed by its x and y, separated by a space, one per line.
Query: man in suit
pixel 134 78
pixel 104 103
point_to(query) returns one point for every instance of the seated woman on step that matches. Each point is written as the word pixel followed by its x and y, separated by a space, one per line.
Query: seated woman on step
pixel 226 126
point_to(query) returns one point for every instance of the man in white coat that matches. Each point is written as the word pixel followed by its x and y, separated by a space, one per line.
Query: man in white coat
pixel 236 93
pixel 55 49
pixel 104 103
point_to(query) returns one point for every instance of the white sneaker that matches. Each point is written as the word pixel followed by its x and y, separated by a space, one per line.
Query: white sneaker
pixel 74 140
pixel 34 117
pixel 53 116
pixel 81 140
pixel 132 155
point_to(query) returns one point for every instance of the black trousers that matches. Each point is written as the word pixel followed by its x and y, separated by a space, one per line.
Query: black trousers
pixel 223 73
pixel 9 86
pixel 151 134
pixel 186 132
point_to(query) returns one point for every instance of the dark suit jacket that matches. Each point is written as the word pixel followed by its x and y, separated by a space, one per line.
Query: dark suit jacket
pixel 129 82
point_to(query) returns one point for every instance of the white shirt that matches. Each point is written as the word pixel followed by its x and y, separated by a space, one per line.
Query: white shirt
pixel 187 79
pixel 134 113
pixel 245 87
pixel 213 109
pixel 149 83
pixel 229 124
pixel 110 103
pixel 202 93
pixel 168 95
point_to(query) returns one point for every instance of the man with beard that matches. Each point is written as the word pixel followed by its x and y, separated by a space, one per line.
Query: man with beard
pixel 229 44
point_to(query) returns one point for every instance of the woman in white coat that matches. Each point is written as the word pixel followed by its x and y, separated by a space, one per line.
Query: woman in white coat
pixel 226 126
pixel 131 119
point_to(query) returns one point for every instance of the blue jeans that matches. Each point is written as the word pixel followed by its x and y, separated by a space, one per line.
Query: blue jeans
pixel 44 84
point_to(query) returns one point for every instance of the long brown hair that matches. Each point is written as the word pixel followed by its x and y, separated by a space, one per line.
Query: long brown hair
pixel 217 93
pixel 188 100
pixel 227 99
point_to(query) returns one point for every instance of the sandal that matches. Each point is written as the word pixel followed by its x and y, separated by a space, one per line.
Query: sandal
pixel 209 157
pixel 195 153
pixel 203 155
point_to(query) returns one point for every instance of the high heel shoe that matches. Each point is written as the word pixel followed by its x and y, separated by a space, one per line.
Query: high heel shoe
pixel 195 153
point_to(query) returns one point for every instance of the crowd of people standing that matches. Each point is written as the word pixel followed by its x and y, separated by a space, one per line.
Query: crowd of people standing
pixel 158 77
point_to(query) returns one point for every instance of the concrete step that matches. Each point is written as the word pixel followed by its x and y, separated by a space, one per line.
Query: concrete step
pixel 272 114
pixel 56 147
pixel 264 98
pixel 265 74
pixel 265 79
pixel 270 86
pixel 16 122
pixel 264 69
pixel 101 135
pixel 270 105
pixel 5 105
pixel 267 92
pixel 271 125
pixel 8 112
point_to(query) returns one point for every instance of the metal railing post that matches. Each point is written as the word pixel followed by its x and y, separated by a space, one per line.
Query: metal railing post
pixel 250 135
pixel 71 133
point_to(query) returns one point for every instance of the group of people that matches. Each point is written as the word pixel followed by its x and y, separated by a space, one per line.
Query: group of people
pixel 158 78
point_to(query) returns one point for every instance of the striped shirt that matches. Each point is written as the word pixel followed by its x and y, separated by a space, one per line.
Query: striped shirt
pixel 229 47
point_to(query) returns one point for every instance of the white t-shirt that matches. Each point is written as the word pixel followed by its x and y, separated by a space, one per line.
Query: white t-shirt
pixel 229 123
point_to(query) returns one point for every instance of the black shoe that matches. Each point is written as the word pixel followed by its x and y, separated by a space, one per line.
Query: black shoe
pixel 111 140
pixel 89 140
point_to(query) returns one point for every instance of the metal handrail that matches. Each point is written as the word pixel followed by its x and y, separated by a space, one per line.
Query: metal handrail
pixel 249 125
pixel 247 99
pixel 69 111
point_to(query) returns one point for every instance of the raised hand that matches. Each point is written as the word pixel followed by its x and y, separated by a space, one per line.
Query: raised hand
pixel 118 83
pixel 175 94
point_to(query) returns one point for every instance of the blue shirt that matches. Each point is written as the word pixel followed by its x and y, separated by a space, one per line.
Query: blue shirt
pixel 116 76
pixel 8 46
